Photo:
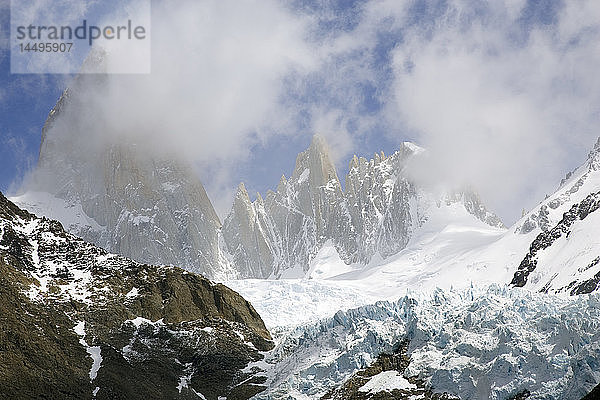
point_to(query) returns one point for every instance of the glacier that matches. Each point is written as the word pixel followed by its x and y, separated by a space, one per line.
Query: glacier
pixel 477 343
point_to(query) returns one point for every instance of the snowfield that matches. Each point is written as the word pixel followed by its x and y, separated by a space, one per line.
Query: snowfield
pixel 387 381
pixel 450 251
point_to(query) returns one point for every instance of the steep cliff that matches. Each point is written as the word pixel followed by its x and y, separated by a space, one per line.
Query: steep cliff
pixel 138 201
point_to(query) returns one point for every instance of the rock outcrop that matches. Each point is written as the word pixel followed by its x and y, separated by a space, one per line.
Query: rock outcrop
pixel 575 218
pixel 564 253
pixel 78 322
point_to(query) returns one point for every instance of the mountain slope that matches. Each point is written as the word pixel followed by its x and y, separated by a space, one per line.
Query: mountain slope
pixel 152 207
pixel 291 223
pixel 468 339
pixel 149 205
pixel 78 322
pixel 565 254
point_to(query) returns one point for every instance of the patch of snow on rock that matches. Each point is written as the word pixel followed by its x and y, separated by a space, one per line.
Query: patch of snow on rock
pixel 386 381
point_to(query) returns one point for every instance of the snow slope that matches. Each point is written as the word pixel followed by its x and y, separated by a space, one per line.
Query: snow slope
pixel 451 250
pixel 70 214
pixel 565 253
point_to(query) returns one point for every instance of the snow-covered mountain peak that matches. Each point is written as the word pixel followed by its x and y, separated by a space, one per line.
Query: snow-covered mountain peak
pixel 562 231
pixel 380 160
pixel 281 186
pixel 259 199
pixel 573 189
pixel 242 201
pixel 353 162
pixel 242 193
pixel 153 208
pixel 147 205
pixel 594 157
pixel 310 216
pixel 416 149
pixel 474 205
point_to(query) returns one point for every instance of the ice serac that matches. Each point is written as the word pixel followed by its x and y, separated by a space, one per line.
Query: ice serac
pixel 139 202
pixel 376 214
pixel 478 343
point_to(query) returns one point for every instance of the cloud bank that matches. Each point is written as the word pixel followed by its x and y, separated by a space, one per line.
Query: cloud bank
pixel 504 94
pixel 219 70
pixel 505 104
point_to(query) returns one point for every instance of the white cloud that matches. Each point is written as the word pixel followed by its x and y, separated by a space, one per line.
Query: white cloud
pixel 503 103
pixel 218 73
pixel 508 117
pixel 332 125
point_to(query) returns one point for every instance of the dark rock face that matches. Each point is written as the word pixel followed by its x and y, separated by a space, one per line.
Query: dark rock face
pixel 594 394
pixel 522 395
pixel 577 212
pixel 39 353
pixel 397 361
pixel 77 322
pixel 589 285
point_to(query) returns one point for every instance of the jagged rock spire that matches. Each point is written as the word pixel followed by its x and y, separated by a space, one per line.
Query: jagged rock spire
pixel 143 204
pixel 594 157
pixel 317 161
pixel 376 214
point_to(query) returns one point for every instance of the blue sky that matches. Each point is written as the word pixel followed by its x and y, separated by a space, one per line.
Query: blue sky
pixel 503 93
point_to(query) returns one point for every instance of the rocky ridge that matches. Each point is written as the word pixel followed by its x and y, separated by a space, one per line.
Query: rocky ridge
pixel 78 322
pixel 375 214
pixel 572 189
pixel 575 216
pixel 149 205
pixel 564 254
